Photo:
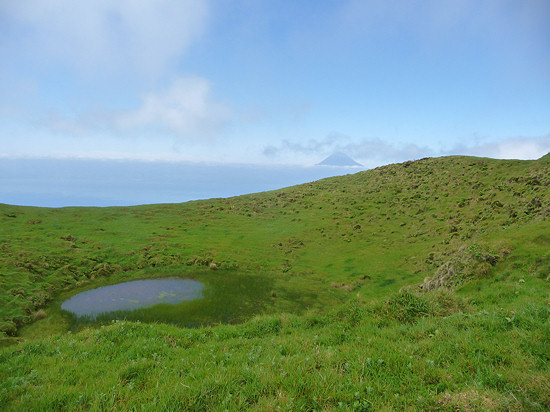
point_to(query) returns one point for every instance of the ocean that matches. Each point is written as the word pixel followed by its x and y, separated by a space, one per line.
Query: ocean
pixel 85 182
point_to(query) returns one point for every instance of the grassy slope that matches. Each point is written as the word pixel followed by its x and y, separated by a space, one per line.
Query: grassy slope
pixel 361 344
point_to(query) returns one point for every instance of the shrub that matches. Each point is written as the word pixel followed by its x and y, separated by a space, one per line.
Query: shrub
pixel 40 314
pixel 467 262
pixel 407 307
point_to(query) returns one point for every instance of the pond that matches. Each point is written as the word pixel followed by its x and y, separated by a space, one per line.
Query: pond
pixel 129 296
pixel 190 300
pixel 184 298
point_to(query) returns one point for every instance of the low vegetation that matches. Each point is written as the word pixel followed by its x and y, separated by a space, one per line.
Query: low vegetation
pixel 421 285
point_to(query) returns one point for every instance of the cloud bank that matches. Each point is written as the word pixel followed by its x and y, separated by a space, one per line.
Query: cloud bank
pixel 523 148
pixel 369 151
pixel 377 151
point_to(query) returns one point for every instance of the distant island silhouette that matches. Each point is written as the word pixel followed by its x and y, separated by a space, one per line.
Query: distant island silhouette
pixel 339 159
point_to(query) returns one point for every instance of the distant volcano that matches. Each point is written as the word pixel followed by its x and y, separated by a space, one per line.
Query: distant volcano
pixel 339 159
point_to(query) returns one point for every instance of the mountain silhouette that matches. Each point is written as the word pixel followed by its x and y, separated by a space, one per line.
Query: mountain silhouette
pixel 339 159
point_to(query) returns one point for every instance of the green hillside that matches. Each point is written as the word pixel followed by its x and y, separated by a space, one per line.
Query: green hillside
pixel 421 285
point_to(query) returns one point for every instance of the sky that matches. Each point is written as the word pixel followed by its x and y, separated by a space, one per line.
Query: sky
pixel 274 82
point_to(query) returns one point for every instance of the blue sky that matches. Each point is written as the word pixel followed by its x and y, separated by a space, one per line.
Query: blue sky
pixel 274 82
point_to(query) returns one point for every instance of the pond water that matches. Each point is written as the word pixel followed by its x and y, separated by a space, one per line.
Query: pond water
pixel 133 295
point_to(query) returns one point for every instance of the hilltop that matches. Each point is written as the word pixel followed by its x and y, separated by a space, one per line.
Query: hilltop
pixel 422 284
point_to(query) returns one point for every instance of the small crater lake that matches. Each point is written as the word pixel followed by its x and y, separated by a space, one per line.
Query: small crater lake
pixel 129 296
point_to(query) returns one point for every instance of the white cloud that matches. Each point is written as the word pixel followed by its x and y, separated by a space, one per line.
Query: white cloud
pixel 369 151
pixel 185 109
pixel 523 148
pixel 136 35
pixel 333 141
pixel 375 152
pixel 119 44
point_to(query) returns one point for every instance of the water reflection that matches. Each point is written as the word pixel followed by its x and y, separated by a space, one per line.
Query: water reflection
pixel 133 295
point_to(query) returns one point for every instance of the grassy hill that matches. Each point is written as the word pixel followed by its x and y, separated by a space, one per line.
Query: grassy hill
pixel 420 285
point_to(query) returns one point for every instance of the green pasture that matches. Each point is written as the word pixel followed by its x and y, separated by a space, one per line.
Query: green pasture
pixel 422 285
